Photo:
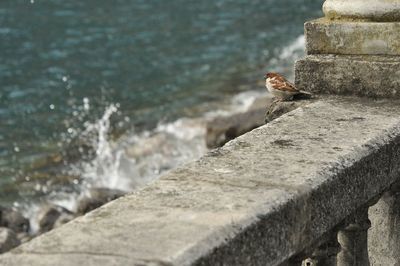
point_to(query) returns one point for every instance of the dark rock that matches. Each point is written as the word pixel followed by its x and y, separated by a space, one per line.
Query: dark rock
pixel 223 129
pixel 14 220
pixel 278 109
pixel 8 239
pixel 52 216
pixel 97 197
pixel 24 237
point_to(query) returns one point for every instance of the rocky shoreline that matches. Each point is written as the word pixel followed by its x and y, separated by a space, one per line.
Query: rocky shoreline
pixel 15 229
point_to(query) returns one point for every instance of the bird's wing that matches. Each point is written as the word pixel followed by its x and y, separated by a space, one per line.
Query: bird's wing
pixel 280 83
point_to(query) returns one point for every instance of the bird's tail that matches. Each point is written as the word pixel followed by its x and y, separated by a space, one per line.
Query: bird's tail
pixel 304 95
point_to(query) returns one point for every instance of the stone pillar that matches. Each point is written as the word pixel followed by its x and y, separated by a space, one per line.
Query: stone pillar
pixel 368 10
pixel 353 240
pixel 322 253
pixel 354 49
pixel 325 254
pixel 384 235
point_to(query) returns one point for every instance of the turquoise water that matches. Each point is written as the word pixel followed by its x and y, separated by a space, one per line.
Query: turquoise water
pixel 63 63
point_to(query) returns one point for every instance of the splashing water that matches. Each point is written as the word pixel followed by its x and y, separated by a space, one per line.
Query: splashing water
pixel 137 159
pixel 103 170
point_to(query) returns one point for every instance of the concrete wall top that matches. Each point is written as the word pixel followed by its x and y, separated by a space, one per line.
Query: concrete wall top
pixel 260 199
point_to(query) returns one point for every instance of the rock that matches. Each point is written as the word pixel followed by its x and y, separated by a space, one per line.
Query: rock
pixel 8 239
pixel 147 146
pixel 278 109
pixel 24 237
pixel 223 129
pixel 97 197
pixel 14 220
pixel 52 216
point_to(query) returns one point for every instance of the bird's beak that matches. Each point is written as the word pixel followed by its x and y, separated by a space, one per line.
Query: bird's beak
pixel 265 76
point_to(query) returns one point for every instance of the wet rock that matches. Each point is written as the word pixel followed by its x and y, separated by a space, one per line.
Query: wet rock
pixel 13 220
pixel 8 239
pixel 147 147
pixel 278 109
pixel 52 216
pixel 223 129
pixel 97 197
pixel 24 237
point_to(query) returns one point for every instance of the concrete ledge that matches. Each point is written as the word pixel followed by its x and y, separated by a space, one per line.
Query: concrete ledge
pixel 325 36
pixel 260 199
pixel 373 76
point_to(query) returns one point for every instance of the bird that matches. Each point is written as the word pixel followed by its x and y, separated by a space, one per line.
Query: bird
pixel 281 88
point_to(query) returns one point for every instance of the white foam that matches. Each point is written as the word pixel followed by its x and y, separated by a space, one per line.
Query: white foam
pixel 293 49
pixel 239 103
pixel 286 56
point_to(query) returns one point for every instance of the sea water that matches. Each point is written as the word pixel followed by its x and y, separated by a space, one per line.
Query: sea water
pixel 101 93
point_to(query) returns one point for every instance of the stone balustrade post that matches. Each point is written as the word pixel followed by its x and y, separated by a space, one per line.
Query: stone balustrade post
pixel 325 254
pixel 354 49
pixel 353 240
pixel 384 235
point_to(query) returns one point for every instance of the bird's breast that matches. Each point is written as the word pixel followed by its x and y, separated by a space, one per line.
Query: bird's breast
pixel 268 85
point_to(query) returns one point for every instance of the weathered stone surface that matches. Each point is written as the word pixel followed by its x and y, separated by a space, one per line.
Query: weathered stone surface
pixel 97 197
pixel 384 234
pixel 52 216
pixel 220 130
pixel 8 239
pixel 373 10
pixel 258 200
pixel 324 36
pixel 14 220
pixel 373 76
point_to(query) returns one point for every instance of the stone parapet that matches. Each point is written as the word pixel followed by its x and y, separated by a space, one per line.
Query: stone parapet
pixel 324 36
pixel 259 200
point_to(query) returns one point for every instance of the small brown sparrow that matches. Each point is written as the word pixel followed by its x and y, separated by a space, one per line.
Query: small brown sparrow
pixel 282 89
